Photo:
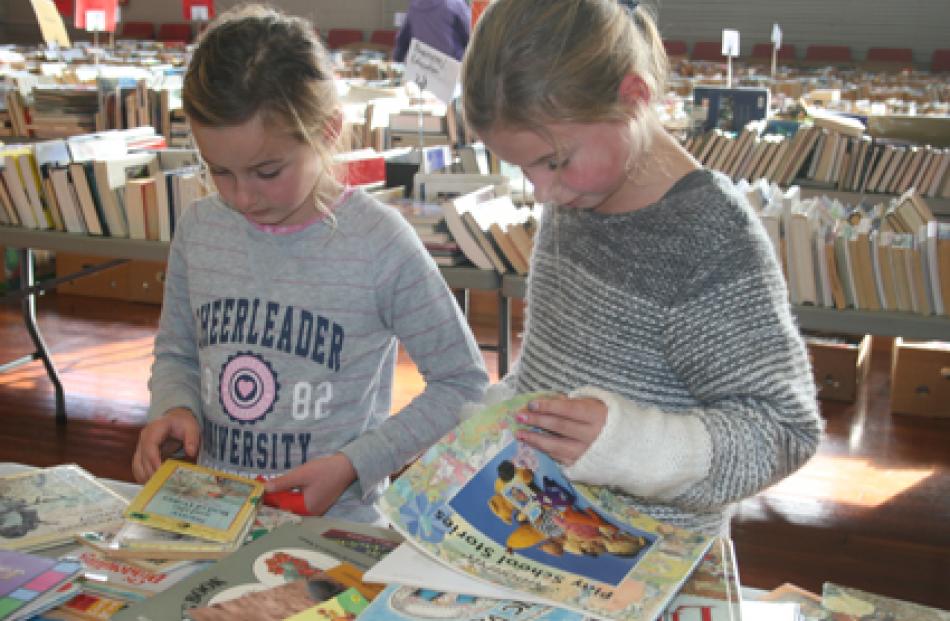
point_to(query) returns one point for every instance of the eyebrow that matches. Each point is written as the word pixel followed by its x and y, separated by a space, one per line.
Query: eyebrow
pixel 252 166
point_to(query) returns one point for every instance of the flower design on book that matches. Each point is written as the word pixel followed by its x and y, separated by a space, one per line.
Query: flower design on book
pixel 422 519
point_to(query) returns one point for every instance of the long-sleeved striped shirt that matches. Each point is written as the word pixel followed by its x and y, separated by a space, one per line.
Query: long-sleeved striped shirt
pixel 680 308
pixel 284 345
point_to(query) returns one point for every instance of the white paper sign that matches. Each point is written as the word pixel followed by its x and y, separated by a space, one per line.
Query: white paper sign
pixel 431 70
pixel 399 18
pixel 96 21
pixel 777 36
pixel 199 13
pixel 730 43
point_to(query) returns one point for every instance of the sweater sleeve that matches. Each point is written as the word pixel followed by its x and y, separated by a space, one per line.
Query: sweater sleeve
pixel 174 380
pixel 418 306
pixel 731 338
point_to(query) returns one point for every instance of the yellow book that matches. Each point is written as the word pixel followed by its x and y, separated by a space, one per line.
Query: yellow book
pixel 193 500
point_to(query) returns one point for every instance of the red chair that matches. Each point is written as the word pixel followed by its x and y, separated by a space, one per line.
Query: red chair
pixel 762 53
pixel 675 48
pixel 940 61
pixel 828 55
pixel 175 34
pixel 341 37
pixel 889 58
pixel 137 30
pixel 708 51
pixel 384 37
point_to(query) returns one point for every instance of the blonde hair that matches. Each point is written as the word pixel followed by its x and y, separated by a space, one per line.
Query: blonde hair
pixel 532 62
pixel 257 60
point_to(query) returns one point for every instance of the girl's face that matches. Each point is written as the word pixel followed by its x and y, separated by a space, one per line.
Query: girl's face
pixel 588 171
pixel 262 171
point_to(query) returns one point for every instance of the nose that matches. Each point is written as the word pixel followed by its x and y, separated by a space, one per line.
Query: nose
pixel 242 198
pixel 545 184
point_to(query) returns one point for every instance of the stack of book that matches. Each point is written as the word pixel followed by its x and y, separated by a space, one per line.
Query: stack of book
pixel 120 183
pixel 837 601
pixel 184 511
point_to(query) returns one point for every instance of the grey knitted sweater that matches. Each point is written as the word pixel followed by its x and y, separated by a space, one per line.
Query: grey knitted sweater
pixel 284 345
pixel 679 309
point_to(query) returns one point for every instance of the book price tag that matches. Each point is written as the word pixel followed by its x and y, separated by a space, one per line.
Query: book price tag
pixel 777 36
pixel 96 21
pixel 730 43
pixel 199 13
pixel 431 70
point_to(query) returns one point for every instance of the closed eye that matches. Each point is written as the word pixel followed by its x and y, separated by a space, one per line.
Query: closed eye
pixel 269 174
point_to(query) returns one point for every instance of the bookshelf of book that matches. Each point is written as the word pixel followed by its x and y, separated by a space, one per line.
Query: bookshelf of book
pixel 124 249
pixel 849 321
pixel 939 206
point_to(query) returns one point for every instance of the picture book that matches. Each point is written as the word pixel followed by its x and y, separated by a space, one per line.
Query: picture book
pixel 86 607
pixel 116 578
pixel 290 553
pixel 26 577
pixel 850 604
pixel 410 603
pixel 480 502
pixel 45 507
pixel 314 598
pixel 809 604
pixel 190 499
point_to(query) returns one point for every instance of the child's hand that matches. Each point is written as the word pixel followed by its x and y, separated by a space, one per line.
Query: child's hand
pixel 322 481
pixel 177 424
pixel 572 426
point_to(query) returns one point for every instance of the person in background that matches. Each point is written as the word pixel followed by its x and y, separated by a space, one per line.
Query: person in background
pixel 443 24
pixel 288 292
pixel 657 314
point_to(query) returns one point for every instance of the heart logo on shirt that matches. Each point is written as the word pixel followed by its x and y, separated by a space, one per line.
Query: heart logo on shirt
pixel 245 388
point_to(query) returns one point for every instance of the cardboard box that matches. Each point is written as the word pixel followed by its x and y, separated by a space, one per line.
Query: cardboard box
pixel 111 283
pixel 920 378
pixel 840 364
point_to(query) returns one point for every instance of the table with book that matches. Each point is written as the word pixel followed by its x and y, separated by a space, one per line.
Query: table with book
pixel 481 527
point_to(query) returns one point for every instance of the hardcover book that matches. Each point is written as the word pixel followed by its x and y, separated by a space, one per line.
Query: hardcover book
pixel 24 578
pixel 480 502
pixel 186 498
pixel 290 553
pixel 48 506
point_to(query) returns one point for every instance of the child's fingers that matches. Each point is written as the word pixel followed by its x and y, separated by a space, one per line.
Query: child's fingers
pixel 563 407
pixel 286 481
pixel 559 448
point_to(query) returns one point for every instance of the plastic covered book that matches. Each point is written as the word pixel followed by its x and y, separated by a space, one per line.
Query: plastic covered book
pixel 713 591
pixel 200 502
pixel 46 507
pixel 25 578
pixel 290 553
pixel 480 502
pixel 850 604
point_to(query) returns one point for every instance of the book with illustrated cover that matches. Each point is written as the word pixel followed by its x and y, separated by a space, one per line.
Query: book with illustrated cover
pixel 850 604
pixel 26 578
pixel 480 502
pixel 809 604
pixel 193 500
pixel 46 507
pixel 290 553
pixel 140 544
pixel 315 598
pixel 411 603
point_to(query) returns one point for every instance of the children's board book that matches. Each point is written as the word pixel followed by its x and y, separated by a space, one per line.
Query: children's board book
pixel 410 603
pixel 25 578
pixel 186 498
pixel 292 552
pixel 481 502
pixel 46 507
pixel 850 604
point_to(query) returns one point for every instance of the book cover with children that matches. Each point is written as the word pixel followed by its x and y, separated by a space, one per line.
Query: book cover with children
pixel 503 512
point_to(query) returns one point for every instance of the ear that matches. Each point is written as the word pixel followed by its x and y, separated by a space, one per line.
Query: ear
pixel 633 90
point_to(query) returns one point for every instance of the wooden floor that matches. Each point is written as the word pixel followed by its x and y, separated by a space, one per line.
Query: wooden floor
pixel 871 510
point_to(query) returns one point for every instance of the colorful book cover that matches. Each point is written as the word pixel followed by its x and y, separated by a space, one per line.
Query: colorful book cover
pixel 500 511
pixel 290 553
pixel 186 498
pixel 410 603
pixel 809 604
pixel 314 599
pixel 847 604
pixel 48 506
pixel 25 578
